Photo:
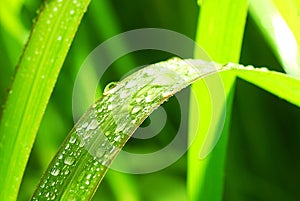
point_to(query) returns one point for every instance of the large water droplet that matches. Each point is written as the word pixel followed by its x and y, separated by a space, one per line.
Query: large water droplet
pixel 94 123
pixel 136 109
pixel 72 139
pixel 110 107
pixel 55 172
pixel 117 138
pixel 130 84
pixel 109 87
pixel 69 160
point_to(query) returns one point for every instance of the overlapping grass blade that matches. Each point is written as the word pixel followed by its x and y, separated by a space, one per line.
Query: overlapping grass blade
pixel 279 21
pixel 87 152
pixel 219 33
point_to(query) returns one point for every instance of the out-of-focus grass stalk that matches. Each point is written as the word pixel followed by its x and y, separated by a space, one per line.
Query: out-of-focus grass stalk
pixel 220 33
pixel 279 22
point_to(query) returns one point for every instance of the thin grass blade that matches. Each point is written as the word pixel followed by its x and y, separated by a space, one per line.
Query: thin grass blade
pixel 32 85
pixel 219 33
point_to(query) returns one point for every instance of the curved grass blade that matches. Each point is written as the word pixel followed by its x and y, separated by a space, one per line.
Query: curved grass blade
pixel 85 155
pixel 32 85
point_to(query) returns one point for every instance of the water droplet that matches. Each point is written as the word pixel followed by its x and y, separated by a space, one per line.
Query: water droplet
pixel 67 172
pixel 72 139
pixel 264 69
pixel 88 176
pixel 249 67
pixel 55 9
pixel 59 37
pixel 139 99
pixel 109 87
pixel 43 76
pixel 82 143
pixel 94 124
pixel 72 12
pixel 164 79
pixel 55 172
pixel 85 125
pixel 69 160
pixel 87 182
pixel 48 21
pixel 67 146
pixel 117 138
pixel 110 106
pixel 131 84
pixel 149 98
pixel 107 133
pixel 53 197
pixel 60 156
pixel 124 94
pixel 136 109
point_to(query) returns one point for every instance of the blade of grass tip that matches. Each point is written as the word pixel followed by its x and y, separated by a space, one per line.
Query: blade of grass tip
pixel 32 85
pixel 279 22
pixel 282 85
pixel 219 33
pixel 88 150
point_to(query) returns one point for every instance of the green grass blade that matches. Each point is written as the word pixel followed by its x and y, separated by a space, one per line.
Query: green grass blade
pixel 279 22
pixel 85 155
pixel 32 85
pixel 220 32
pixel 82 160
pixel 282 85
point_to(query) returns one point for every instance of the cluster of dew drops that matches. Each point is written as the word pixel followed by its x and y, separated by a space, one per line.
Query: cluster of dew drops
pixel 138 97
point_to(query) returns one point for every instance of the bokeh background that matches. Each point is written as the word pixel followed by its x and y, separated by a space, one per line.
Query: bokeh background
pixel 263 158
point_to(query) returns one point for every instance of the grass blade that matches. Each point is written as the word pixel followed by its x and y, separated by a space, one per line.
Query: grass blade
pixel 279 22
pixel 220 33
pixel 84 157
pixel 32 85
pixel 282 85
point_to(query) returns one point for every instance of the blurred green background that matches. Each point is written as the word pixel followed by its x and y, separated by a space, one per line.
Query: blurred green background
pixel 263 153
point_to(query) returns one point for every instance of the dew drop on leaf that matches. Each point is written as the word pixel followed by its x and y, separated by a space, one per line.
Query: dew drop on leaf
pixel 72 139
pixel 69 160
pixel 136 109
pixel 55 172
pixel 108 87
pixel 94 123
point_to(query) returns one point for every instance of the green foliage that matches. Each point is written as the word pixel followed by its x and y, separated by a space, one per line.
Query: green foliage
pixel 219 33
pixel 279 22
pixel 33 82
pixel 100 134
pixel 260 161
